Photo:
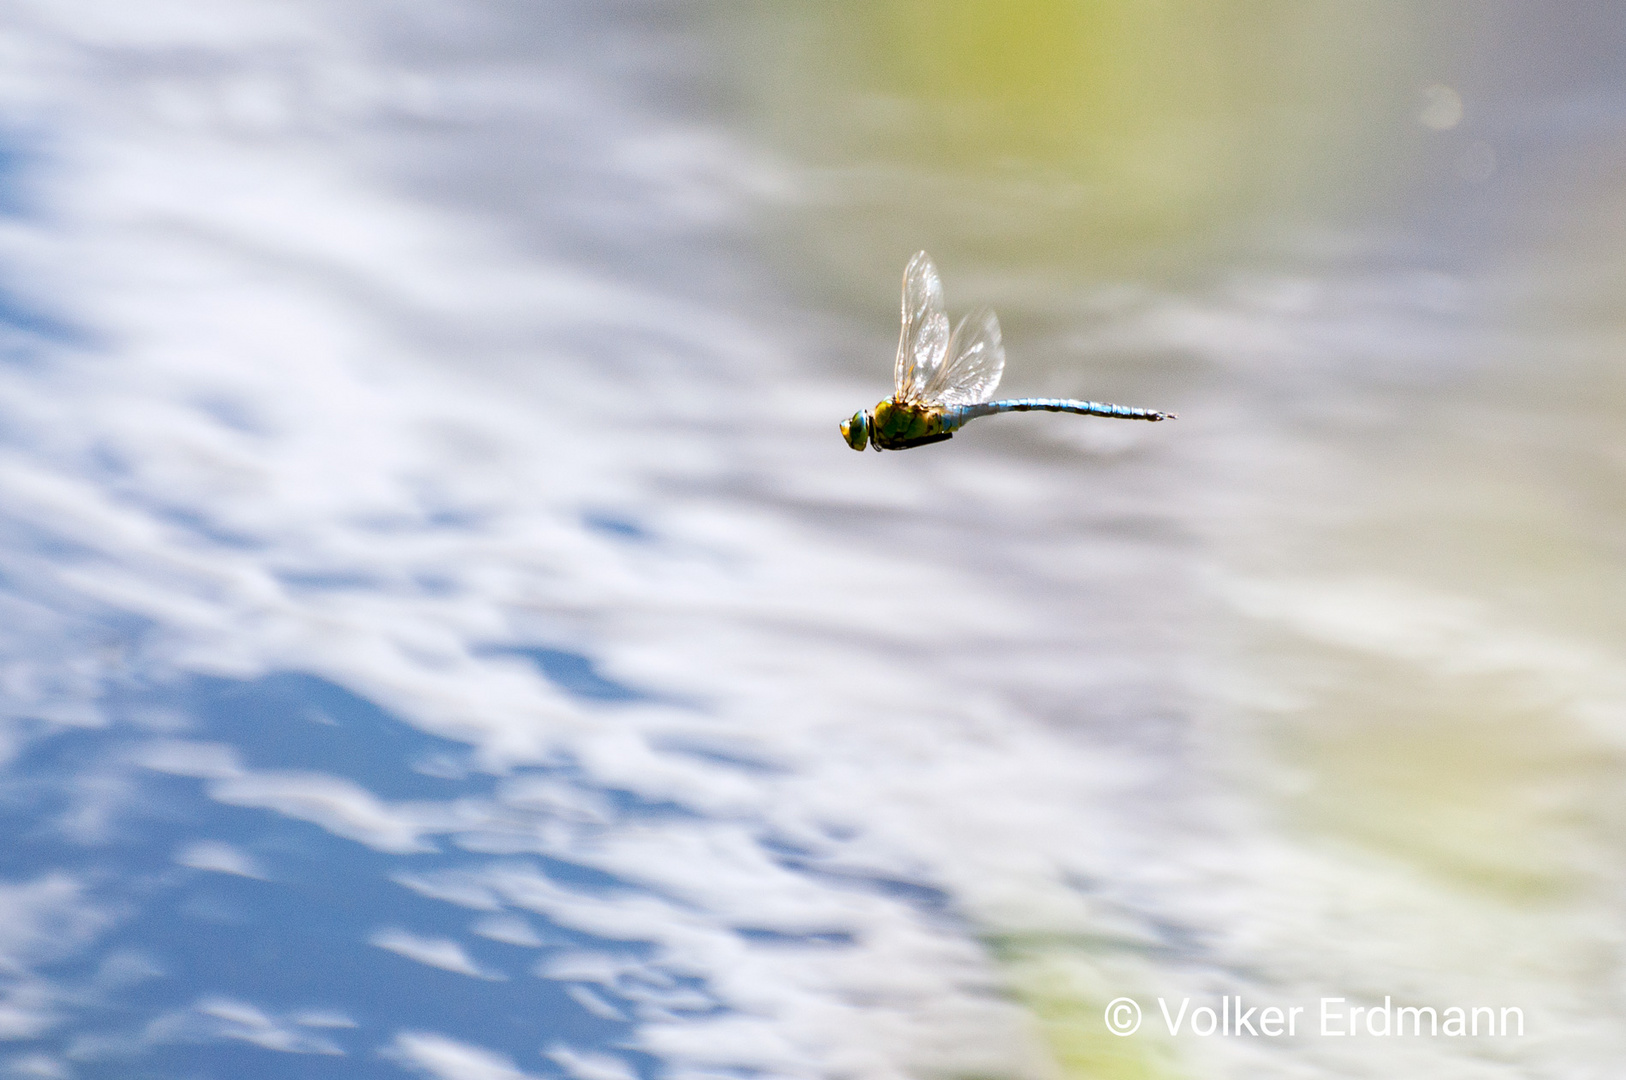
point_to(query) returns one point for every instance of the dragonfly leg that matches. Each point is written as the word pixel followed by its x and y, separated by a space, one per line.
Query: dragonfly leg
pixel 912 443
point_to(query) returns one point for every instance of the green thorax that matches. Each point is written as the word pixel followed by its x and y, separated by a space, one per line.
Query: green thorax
pixel 898 426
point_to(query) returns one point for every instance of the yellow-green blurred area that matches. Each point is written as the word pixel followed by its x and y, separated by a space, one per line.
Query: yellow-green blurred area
pixel 1103 136
pixel 1371 252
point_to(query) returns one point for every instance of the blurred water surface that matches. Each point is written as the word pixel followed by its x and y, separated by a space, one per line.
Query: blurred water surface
pixel 445 635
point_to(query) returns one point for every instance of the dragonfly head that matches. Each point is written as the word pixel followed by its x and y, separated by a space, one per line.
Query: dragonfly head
pixel 856 430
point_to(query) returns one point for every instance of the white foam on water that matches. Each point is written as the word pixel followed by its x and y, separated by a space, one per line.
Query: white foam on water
pixel 442 953
pixel 445 1058
pixel 248 1023
pixel 221 858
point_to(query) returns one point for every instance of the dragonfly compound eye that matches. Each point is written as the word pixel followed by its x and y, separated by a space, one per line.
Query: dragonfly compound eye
pixel 856 430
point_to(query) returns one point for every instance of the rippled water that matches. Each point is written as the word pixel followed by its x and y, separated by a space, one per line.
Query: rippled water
pixel 445 635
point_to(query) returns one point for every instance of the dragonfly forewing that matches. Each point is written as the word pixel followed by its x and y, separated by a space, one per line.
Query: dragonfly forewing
pixel 924 339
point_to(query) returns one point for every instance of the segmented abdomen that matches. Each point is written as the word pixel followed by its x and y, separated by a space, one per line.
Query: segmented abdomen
pixel 961 414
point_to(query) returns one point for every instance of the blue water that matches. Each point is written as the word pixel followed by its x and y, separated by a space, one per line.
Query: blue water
pixel 295 941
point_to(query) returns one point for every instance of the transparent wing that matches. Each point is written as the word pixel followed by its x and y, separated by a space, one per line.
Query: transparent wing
pixel 976 361
pixel 923 342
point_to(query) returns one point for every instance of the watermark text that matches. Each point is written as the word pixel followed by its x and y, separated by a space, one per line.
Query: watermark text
pixel 1330 1017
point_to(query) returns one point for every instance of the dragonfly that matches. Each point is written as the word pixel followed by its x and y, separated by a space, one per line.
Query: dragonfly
pixel 941 380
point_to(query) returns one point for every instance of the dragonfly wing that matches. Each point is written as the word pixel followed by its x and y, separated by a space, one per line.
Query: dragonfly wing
pixel 976 360
pixel 923 342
